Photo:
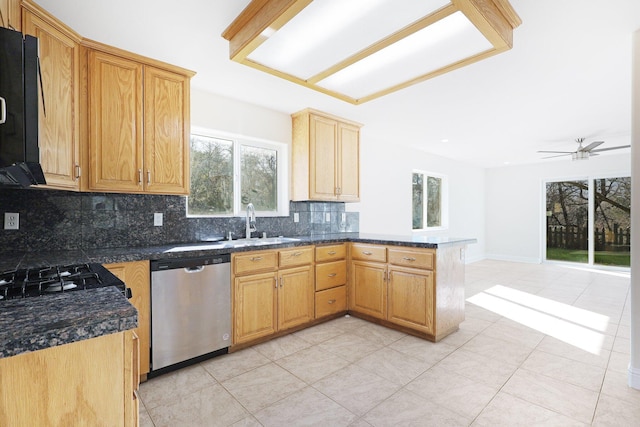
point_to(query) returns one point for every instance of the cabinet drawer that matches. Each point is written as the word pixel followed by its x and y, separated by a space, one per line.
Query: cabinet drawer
pixel 254 262
pixel 331 274
pixel 412 258
pixel 296 256
pixel 330 253
pixel 369 252
pixel 331 301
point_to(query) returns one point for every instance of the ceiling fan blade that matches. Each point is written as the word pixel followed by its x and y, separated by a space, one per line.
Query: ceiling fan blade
pixel 611 148
pixel 563 152
pixel 559 155
pixel 592 146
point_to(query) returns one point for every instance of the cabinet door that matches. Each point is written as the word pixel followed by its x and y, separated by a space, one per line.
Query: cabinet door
pixel 322 158
pixel 295 297
pixel 348 163
pixel 368 288
pixel 166 132
pixel 411 298
pixel 115 123
pixel 58 125
pixel 136 276
pixel 10 10
pixel 254 307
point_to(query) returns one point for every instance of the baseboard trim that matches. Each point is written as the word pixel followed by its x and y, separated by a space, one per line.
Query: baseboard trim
pixel 527 260
pixel 634 377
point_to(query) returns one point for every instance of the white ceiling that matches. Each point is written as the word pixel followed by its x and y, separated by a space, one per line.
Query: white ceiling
pixel 567 76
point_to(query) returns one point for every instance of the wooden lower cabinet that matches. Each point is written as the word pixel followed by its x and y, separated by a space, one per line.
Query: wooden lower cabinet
pixel 331 301
pixel 410 298
pixel 368 288
pixel 295 297
pixel 136 275
pixel 90 382
pixel 272 301
pixel 254 307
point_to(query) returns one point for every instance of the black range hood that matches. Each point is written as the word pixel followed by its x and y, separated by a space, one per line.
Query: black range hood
pixel 19 152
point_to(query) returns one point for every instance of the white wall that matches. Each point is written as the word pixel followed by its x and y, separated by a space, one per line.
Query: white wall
pixel 216 112
pixel 385 192
pixel 515 202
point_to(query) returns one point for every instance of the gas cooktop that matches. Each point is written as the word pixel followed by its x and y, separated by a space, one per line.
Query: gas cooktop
pixel 26 283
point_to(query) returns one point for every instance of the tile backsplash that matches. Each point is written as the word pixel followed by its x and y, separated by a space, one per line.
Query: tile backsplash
pixel 58 220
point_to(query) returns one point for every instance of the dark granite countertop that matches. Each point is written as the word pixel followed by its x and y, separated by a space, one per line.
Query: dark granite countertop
pixel 12 261
pixel 37 323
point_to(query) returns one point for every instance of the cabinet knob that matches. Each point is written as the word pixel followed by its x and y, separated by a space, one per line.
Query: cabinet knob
pixel 281 284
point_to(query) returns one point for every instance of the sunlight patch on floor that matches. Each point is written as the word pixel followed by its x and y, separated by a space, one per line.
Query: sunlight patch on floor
pixel 578 327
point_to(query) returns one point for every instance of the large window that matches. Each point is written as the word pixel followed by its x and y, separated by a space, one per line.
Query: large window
pixel 589 221
pixel 428 201
pixel 227 173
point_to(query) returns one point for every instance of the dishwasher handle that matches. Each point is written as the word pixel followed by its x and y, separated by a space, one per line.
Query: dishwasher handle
pixel 196 269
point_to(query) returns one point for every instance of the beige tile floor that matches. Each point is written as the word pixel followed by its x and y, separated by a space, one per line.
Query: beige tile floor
pixel 510 368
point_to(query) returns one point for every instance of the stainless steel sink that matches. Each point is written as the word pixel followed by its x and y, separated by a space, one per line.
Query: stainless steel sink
pixel 240 243
pixel 230 244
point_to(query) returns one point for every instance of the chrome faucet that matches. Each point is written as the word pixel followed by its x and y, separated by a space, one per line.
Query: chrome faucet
pixel 251 220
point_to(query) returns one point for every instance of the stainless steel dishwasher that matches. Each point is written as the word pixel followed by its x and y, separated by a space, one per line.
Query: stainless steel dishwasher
pixel 190 309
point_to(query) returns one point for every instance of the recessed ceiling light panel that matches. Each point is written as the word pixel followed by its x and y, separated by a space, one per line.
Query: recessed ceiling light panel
pixel 358 50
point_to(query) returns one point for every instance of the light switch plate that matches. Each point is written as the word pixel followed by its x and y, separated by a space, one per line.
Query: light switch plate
pixel 157 219
pixel 344 217
pixel 11 221
pixel 327 217
pixel 296 217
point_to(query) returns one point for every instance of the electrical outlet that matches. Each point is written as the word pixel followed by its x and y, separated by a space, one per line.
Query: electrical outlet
pixel 157 219
pixel 296 217
pixel 327 217
pixel 11 221
pixel 344 217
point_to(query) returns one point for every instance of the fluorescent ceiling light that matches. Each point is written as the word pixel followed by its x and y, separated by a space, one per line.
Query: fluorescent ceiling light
pixel 358 50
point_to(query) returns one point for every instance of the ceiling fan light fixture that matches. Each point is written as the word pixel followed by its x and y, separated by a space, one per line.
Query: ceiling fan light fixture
pixel 360 50
pixel 580 155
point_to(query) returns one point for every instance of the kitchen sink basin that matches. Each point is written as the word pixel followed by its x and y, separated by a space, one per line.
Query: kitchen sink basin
pixel 240 243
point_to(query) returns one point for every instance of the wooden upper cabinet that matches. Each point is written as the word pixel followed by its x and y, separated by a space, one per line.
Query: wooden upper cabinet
pixel 10 14
pixel 137 123
pixel 325 157
pixel 115 123
pixel 58 111
pixel 166 132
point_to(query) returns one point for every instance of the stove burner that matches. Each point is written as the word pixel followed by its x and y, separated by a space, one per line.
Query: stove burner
pixel 59 287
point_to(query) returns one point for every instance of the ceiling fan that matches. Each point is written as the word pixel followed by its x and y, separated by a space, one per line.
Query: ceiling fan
pixel 583 153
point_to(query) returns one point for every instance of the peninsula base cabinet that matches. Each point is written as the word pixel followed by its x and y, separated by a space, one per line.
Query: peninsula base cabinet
pixel 419 290
pixel 90 382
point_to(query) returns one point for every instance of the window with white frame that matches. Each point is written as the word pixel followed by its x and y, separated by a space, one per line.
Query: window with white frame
pixel 228 172
pixel 429 201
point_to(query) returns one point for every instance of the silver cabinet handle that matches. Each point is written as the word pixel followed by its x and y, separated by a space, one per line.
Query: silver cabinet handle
pixel 332 275
pixel 275 279
pixel 196 269
pixel 139 176
pixel 256 258
pixel 367 253
pixel 281 284
pixel 3 110
pixel 411 259
pixel 331 252
pixel 148 177
pixel 296 254
pixel 78 172
pixel 331 301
